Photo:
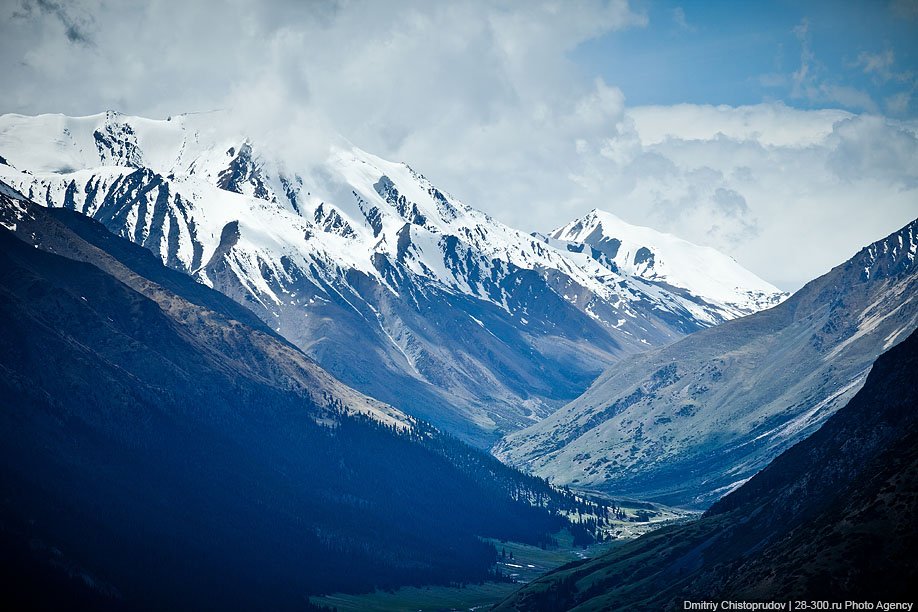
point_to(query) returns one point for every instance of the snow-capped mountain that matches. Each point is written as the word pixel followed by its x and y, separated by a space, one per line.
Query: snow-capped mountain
pixel 708 282
pixel 689 422
pixel 397 288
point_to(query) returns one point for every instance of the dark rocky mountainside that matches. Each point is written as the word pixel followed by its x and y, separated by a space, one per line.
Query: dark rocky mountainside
pixel 160 448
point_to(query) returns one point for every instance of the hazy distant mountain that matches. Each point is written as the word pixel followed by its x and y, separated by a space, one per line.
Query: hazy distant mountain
pixel 161 448
pixel 686 423
pixel 392 285
pixel 831 519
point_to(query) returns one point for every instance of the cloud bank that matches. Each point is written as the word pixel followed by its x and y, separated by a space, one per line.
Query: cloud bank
pixel 484 99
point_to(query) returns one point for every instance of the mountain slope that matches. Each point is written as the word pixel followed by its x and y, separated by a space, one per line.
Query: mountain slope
pixel 393 286
pixel 153 432
pixel 686 423
pixel 258 353
pixel 831 519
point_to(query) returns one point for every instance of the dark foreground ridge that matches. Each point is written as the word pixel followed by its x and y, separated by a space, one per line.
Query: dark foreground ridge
pixel 160 448
pixel 832 518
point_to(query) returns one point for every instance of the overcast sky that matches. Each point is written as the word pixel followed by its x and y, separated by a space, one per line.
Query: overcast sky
pixel 783 133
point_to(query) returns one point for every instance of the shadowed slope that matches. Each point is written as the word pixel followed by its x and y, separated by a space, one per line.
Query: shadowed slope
pixel 160 449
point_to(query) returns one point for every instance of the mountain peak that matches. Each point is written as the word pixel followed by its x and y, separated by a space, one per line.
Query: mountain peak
pixel 666 260
pixel 612 223
pixel 895 254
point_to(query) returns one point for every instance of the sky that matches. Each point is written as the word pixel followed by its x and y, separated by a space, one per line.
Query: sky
pixel 783 133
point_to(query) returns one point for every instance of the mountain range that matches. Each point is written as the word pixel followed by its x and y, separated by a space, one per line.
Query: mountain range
pixel 162 448
pixel 392 285
pixel 255 377
pixel 686 423
pixel 829 520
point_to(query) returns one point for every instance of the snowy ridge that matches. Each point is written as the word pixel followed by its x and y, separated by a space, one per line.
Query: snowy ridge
pixel 18 215
pixel 369 267
pixel 664 259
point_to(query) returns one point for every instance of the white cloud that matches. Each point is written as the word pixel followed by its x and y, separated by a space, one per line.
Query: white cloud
pixel 808 82
pixel 789 193
pixel 483 98
pixel 879 64
pixel 680 20
pixel 769 124
pixel 882 68
pixel 898 103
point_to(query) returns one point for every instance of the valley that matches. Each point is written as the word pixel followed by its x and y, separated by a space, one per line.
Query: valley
pixel 687 423
pixel 514 306
pixel 409 403
pixel 831 519
pixel 522 564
